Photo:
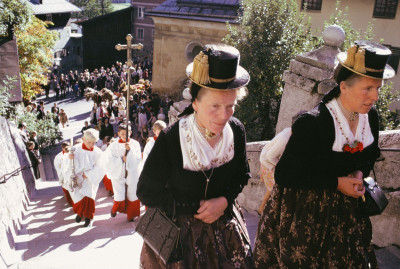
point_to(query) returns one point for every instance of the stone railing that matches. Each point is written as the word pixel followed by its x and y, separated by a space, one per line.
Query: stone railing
pixel 385 226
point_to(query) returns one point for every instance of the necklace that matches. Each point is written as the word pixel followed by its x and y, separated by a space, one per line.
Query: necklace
pixel 352 116
pixel 207 180
pixel 207 133
pixel 350 147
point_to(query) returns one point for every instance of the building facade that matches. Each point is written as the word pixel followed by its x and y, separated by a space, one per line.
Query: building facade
pixel 143 26
pixel 182 28
pixel 385 15
pixel 68 49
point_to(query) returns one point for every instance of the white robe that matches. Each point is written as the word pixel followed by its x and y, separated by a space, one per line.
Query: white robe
pixel 149 146
pixel 90 163
pixel 59 162
pixel 115 169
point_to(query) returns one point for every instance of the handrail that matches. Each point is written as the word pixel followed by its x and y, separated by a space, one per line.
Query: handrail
pixel 390 149
pixel 5 177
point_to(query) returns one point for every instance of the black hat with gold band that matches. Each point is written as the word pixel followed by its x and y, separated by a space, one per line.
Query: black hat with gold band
pixel 217 67
pixel 368 59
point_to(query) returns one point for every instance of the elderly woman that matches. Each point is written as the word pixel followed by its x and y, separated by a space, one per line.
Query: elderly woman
pixel 202 159
pixel 314 217
pixel 88 172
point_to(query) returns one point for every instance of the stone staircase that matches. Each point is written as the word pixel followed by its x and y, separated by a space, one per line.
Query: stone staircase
pixel 51 238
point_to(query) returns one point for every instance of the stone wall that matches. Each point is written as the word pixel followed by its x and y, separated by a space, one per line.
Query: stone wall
pixel 385 226
pixel 15 193
pixel 172 39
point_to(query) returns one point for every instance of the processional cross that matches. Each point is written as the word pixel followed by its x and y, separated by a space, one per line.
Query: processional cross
pixel 128 47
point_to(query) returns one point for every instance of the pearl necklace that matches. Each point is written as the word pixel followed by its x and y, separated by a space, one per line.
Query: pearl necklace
pixel 352 116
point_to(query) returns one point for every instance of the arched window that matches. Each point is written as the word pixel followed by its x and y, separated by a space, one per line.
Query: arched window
pixel 192 49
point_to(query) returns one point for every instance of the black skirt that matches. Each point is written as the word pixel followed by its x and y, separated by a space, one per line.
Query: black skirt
pixel 222 244
pixel 313 229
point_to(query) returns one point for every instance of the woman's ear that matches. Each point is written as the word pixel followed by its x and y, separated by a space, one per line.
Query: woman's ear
pixel 343 87
pixel 194 105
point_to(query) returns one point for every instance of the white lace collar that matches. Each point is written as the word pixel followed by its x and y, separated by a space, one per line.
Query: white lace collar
pixel 340 122
pixel 196 151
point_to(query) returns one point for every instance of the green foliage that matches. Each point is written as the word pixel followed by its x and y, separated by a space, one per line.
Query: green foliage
pixel 48 133
pixel 5 88
pixel 35 43
pixel 387 119
pixel 272 32
pixel 92 8
pixel 13 12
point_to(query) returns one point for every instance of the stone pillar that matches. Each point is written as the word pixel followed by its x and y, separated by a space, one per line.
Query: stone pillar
pixel 309 77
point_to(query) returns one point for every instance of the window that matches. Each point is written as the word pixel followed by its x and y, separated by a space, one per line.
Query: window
pixel 140 12
pixel 311 4
pixel 49 17
pixel 385 9
pixel 140 34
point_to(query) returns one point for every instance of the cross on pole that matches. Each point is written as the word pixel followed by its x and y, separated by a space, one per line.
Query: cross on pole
pixel 128 47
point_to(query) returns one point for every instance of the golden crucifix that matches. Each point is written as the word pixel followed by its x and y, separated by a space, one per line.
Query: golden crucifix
pixel 128 47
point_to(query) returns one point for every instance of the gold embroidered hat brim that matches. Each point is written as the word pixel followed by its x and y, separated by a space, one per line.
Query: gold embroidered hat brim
pixel 387 73
pixel 241 79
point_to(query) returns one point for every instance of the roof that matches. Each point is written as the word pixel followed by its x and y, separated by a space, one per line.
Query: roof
pixel 204 10
pixel 53 7
pixel 98 18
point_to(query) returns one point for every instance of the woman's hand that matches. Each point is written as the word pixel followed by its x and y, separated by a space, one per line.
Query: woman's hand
pixel 211 210
pixel 351 186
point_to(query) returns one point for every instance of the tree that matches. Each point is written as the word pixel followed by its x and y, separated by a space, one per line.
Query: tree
pixel 13 13
pixel 271 33
pixel 5 89
pixel 92 8
pixel 387 119
pixel 35 43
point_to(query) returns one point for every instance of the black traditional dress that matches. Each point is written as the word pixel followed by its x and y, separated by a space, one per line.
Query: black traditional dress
pixel 307 222
pixel 222 244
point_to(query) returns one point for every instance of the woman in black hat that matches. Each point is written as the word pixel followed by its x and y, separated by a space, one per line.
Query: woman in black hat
pixel 314 217
pixel 202 159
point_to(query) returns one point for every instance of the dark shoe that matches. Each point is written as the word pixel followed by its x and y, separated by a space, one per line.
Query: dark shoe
pixel 134 219
pixel 109 193
pixel 113 214
pixel 78 218
pixel 87 222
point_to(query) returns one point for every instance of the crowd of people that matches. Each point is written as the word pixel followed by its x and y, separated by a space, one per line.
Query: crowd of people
pixel 113 78
pixel 117 161
pixel 313 214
